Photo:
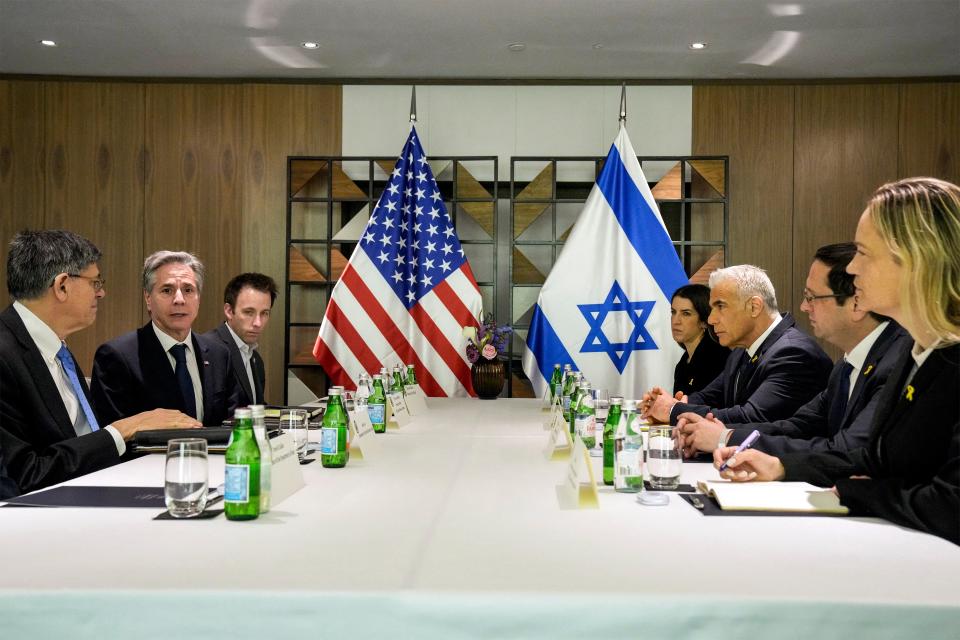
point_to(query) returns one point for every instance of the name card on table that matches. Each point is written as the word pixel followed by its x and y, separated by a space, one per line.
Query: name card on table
pixel 560 445
pixel 548 420
pixel 286 478
pixel 416 403
pixel 399 414
pixel 579 489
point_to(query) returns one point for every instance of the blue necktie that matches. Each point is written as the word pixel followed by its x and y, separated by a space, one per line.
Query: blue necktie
pixel 838 405
pixel 66 361
pixel 179 353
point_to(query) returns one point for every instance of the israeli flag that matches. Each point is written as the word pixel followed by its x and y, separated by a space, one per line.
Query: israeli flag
pixel 605 307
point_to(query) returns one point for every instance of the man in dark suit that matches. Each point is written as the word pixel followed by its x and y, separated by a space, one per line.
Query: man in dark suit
pixel 247 301
pixel 164 364
pixel 841 416
pixel 48 432
pixel 774 369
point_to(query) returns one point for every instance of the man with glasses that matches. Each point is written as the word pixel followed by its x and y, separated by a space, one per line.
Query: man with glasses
pixel 163 363
pixel 840 417
pixel 49 432
pixel 774 367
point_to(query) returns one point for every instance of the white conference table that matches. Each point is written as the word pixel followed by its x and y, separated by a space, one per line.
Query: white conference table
pixel 453 529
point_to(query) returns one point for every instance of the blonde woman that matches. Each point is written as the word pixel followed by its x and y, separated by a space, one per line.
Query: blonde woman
pixel 907 267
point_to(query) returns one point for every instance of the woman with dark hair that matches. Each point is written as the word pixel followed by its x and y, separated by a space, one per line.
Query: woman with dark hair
pixel 907 267
pixel 704 357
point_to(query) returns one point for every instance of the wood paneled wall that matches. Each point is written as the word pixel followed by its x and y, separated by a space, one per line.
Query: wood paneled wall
pixel 807 157
pixel 138 167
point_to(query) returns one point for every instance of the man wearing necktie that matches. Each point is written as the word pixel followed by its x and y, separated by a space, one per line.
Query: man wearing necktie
pixel 163 363
pixel 841 416
pixel 774 367
pixel 247 301
pixel 49 431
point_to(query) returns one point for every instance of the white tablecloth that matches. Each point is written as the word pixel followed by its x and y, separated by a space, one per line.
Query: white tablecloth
pixel 454 530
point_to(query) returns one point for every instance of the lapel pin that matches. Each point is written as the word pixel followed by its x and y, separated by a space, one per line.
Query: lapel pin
pixel 206 363
pixel 754 358
pixel 867 371
pixel 909 393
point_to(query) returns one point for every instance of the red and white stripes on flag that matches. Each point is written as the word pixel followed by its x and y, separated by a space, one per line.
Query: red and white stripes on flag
pixel 407 291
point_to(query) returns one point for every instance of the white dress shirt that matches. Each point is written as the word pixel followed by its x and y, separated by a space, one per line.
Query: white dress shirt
pixel 168 343
pixel 48 343
pixel 858 355
pixel 246 350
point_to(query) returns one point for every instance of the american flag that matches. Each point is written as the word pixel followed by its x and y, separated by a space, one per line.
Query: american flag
pixel 407 292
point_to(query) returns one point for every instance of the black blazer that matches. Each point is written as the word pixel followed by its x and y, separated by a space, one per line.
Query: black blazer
pixel 706 364
pixel 787 371
pixel 913 457
pixel 810 428
pixel 132 374
pixel 248 396
pixel 38 444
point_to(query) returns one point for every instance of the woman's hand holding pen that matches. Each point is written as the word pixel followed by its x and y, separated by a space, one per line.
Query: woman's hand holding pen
pixel 747 465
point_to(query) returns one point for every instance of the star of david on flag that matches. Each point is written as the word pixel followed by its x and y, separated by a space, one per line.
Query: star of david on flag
pixel 605 306
pixel 407 291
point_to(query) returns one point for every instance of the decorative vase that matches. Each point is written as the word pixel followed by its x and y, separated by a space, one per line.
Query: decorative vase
pixel 487 377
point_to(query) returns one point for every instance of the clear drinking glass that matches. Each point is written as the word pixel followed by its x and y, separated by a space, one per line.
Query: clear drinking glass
pixel 601 404
pixel 295 422
pixel 664 458
pixel 185 477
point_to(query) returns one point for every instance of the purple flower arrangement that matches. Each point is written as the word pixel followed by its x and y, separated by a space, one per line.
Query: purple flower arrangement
pixel 488 340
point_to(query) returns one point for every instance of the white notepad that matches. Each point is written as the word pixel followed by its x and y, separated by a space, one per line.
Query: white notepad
pixel 800 497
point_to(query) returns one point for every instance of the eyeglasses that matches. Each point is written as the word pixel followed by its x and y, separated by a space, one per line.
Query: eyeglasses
pixel 97 283
pixel 809 298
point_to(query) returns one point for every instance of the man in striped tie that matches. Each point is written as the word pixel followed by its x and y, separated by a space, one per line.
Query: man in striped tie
pixel 48 430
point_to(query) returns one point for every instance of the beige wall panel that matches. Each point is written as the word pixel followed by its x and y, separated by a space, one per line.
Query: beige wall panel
pixel 21 165
pixel 930 131
pixel 846 146
pixel 279 121
pixel 194 185
pixel 94 186
pixel 753 125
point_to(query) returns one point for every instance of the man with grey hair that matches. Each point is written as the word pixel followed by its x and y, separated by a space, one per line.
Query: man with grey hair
pixel 163 363
pixel 48 430
pixel 774 368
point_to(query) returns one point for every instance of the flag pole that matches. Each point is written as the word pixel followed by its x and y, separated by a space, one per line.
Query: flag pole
pixel 623 104
pixel 413 105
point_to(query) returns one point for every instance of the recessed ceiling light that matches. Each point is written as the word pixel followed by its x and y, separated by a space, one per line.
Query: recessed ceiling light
pixel 310 45
pixel 516 46
pixel 48 43
pixel 696 46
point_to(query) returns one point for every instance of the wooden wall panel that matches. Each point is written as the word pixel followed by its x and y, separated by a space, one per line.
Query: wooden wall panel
pixel 846 146
pixel 279 120
pixel 194 189
pixel 21 165
pixel 930 131
pixel 94 186
pixel 753 125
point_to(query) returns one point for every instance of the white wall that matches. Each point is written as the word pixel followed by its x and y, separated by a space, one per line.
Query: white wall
pixel 517 120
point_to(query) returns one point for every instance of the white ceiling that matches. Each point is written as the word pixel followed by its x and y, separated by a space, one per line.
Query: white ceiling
pixel 565 39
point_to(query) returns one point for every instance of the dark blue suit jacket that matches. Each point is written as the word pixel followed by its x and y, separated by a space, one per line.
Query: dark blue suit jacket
pixel 913 458
pixel 787 371
pixel 132 374
pixel 810 428
pixel 38 444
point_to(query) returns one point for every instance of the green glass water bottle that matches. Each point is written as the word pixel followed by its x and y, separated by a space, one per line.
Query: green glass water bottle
pixel 556 383
pixel 377 406
pixel 585 417
pixel 574 400
pixel 411 375
pixel 397 386
pixel 568 387
pixel 609 432
pixel 628 452
pixel 241 496
pixel 333 437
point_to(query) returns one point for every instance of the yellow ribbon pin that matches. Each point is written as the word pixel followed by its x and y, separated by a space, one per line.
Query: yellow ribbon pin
pixel 909 393
pixel 867 371
pixel 754 359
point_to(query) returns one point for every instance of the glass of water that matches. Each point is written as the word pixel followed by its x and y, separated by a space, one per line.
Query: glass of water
pixel 295 422
pixel 664 458
pixel 601 404
pixel 185 477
